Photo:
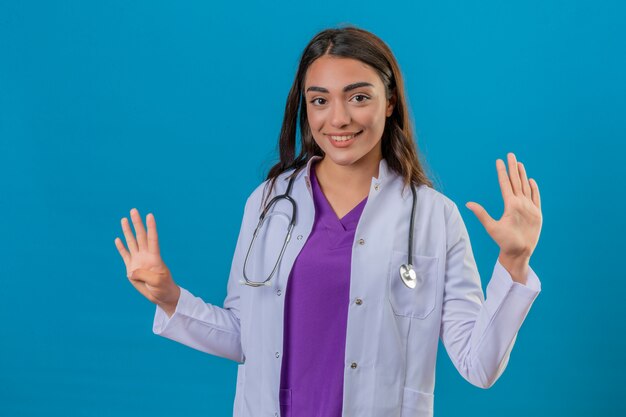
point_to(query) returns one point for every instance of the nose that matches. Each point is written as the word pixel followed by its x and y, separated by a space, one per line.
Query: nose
pixel 339 115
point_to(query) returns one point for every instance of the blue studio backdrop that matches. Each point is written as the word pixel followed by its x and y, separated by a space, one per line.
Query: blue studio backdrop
pixel 175 108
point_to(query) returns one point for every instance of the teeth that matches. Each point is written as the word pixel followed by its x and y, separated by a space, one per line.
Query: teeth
pixel 342 138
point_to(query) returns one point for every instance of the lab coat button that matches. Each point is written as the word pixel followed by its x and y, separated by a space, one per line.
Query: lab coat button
pixel 377 187
pixel 299 237
pixel 359 301
pixel 277 355
pixel 353 366
pixel 361 241
pixel 278 292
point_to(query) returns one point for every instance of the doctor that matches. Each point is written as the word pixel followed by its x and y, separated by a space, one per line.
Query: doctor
pixel 334 328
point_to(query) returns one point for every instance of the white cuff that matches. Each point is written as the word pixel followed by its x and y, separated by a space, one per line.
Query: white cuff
pixel 161 319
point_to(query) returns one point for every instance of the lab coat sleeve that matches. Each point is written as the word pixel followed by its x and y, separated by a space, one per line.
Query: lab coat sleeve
pixel 206 327
pixel 479 334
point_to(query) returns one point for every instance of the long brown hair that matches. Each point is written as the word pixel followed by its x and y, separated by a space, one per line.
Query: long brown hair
pixel 398 144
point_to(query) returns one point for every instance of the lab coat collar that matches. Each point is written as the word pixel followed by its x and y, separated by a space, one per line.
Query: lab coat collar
pixel 384 174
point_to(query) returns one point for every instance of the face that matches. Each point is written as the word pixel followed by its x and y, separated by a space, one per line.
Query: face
pixel 346 110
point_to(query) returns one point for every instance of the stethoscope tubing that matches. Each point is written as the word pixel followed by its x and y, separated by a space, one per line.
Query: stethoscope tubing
pixel 407 273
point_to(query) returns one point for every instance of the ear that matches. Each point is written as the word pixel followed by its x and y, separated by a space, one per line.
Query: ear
pixel 391 104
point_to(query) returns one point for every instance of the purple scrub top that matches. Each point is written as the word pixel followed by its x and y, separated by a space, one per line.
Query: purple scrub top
pixel 316 314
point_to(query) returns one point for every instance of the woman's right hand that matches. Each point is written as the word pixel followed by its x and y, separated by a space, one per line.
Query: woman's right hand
pixel 144 267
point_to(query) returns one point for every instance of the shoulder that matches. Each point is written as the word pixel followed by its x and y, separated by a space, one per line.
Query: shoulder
pixel 438 203
pixel 443 214
pixel 260 193
pixel 435 197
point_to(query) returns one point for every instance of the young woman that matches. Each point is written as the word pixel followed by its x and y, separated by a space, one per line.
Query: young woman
pixel 337 298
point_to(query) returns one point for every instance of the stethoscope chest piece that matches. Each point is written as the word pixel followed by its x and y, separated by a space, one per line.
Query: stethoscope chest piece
pixel 408 275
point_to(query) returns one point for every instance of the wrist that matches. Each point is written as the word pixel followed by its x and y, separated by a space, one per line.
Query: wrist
pixel 170 306
pixel 516 266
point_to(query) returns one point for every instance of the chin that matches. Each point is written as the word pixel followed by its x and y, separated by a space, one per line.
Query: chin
pixel 344 160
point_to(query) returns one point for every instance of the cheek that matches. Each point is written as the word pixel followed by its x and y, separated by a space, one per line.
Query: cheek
pixel 316 123
pixel 315 120
pixel 374 120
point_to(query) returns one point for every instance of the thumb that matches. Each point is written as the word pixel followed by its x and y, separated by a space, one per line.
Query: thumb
pixel 481 213
pixel 146 276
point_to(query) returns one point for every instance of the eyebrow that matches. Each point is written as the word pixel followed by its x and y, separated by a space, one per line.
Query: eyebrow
pixel 348 87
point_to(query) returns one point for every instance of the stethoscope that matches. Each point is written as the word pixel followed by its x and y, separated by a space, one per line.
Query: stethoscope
pixel 407 273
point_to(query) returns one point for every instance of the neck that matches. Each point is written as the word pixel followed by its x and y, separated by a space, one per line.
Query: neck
pixel 355 176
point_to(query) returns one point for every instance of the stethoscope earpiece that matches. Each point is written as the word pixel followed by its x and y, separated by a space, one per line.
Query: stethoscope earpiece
pixel 408 275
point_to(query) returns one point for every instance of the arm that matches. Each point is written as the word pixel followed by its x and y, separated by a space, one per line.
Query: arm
pixel 204 326
pixel 477 334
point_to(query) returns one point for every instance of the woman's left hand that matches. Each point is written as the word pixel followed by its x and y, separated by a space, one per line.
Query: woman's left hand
pixel 517 231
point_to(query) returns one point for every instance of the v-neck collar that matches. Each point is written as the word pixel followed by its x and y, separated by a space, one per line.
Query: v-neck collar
pixel 326 213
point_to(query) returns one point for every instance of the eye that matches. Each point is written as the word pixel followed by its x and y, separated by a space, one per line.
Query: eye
pixel 318 101
pixel 360 98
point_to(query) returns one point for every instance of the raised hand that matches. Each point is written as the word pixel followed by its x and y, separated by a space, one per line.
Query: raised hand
pixel 517 231
pixel 144 267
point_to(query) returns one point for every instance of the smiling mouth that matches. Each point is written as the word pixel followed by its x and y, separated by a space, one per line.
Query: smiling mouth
pixel 344 138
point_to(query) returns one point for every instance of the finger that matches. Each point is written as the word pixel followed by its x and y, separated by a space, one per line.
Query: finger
pixel 122 250
pixel 524 179
pixel 503 179
pixel 143 275
pixel 535 191
pixel 516 184
pixel 140 231
pixel 128 235
pixel 153 238
pixel 484 217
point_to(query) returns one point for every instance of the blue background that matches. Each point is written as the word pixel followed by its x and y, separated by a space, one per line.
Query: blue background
pixel 176 109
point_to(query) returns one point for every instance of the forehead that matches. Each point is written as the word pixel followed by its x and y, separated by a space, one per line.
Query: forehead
pixel 333 72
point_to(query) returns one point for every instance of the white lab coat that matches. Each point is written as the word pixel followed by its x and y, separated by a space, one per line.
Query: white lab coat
pixel 392 334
